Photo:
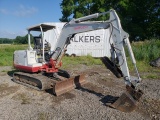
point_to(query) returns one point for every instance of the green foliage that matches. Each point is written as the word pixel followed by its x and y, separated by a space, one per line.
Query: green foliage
pixel 146 51
pixel 80 8
pixel 140 18
pixel 85 60
pixel 17 40
pixel 6 41
pixel 22 39
pixel 151 76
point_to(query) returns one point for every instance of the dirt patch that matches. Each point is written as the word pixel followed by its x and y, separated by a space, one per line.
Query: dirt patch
pixel 59 99
pixel 22 97
pixel 85 102
pixel 43 116
pixel 91 88
pixel 149 108
pixel 6 90
pixel 3 73
pixel 106 82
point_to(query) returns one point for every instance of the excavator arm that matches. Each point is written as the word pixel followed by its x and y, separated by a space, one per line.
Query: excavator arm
pixel 119 39
pixel 118 35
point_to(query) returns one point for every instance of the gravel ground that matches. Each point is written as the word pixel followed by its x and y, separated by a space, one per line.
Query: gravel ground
pixel 18 102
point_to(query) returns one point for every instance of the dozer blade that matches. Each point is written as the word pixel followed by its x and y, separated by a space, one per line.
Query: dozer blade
pixel 127 102
pixel 68 84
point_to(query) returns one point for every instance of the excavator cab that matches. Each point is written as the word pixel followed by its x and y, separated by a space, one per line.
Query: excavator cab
pixel 40 44
pixel 32 59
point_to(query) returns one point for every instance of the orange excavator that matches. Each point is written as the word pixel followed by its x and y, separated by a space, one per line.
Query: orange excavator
pixel 39 65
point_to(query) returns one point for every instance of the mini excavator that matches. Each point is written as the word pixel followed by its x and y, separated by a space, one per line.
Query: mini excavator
pixel 39 66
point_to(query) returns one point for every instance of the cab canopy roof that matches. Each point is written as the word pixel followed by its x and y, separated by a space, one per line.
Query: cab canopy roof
pixel 44 26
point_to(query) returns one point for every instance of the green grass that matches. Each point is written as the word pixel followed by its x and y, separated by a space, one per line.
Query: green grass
pixel 6 53
pixel 146 51
pixel 85 60
pixel 151 76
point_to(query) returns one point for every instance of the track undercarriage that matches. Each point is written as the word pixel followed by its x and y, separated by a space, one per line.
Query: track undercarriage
pixel 39 81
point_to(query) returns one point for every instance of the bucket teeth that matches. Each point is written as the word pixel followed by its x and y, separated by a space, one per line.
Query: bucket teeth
pixel 127 102
pixel 68 84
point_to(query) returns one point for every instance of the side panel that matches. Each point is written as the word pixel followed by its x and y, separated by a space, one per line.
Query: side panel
pixel 94 43
pixel 25 60
pixel 20 57
pixel 31 57
pixel 27 68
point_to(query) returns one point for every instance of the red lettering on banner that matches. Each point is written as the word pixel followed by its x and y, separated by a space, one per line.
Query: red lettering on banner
pixel 80 27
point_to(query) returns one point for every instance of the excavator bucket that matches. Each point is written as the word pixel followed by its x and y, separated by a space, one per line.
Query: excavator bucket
pixel 68 84
pixel 127 102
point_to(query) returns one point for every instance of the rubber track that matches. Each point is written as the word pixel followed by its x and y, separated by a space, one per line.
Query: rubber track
pixel 35 81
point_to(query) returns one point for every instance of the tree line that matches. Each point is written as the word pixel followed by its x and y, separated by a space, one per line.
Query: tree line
pixel 17 40
pixel 140 18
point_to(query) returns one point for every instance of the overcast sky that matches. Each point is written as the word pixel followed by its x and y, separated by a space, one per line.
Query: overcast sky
pixel 17 15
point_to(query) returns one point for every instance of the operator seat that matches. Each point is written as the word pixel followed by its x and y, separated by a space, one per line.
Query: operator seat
pixel 38 43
